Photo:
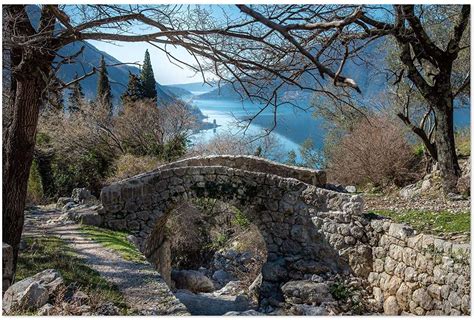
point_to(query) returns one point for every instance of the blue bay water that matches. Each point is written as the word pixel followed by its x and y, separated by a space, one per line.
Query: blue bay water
pixel 294 126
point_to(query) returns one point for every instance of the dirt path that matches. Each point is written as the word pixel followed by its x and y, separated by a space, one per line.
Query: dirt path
pixel 143 289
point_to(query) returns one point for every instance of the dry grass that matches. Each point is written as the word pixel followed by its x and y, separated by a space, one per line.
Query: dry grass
pixel 129 165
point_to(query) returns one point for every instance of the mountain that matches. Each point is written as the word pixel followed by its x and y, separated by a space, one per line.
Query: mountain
pixel 90 58
pixel 118 75
pixel 194 87
pixel 370 81
pixel 178 92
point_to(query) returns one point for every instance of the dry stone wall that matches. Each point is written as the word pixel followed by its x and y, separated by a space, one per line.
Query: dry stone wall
pixel 417 273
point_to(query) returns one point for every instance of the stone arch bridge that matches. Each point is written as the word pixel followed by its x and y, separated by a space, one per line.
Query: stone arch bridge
pixel 308 229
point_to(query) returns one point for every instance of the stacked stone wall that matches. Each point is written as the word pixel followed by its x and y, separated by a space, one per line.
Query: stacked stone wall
pixel 418 273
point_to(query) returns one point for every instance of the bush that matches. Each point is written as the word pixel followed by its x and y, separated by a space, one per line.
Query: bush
pixel 35 188
pixel 376 152
pixel 129 165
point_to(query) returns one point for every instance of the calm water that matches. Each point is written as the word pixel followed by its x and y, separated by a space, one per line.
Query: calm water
pixel 293 126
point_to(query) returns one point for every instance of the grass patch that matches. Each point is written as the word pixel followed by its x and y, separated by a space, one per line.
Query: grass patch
pixel 114 240
pixel 54 253
pixel 431 222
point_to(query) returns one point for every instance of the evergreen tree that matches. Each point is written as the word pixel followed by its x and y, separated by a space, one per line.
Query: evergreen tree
pixel 76 97
pixel 104 94
pixel 134 90
pixel 148 78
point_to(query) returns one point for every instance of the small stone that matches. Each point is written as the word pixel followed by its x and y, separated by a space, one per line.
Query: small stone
pixel 351 189
pixel 45 310
pixel 422 298
pixel 390 306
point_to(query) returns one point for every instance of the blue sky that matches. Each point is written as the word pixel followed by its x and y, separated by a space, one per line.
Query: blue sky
pixel 165 71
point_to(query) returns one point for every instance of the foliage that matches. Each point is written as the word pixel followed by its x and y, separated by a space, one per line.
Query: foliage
pixel 104 94
pixel 35 188
pixel 87 144
pixel 89 169
pixel 134 90
pixel 431 222
pixel 340 291
pixel 53 253
pixel 241 220
pixel 148 78
pixel 175 148
pixel 115 240
pixel 129 165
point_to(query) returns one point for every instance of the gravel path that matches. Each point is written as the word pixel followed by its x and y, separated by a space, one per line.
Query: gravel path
pixel 143 289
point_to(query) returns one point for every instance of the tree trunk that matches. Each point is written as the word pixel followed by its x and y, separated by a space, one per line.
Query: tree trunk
pixel 19 148
pixel 28 67
pixel 446 149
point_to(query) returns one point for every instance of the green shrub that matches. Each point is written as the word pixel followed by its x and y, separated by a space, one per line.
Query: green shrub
pixel 35 188
pixel 240 219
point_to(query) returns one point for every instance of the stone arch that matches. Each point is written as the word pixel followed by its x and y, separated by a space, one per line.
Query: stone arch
pixel 307 229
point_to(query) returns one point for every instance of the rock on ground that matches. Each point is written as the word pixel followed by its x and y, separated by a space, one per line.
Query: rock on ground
pixel 7 266
pixel 208 304
pixel 32 292
pixel 191 280
pixel 306 292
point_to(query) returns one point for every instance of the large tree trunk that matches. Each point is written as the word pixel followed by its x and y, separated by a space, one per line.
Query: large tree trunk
pixel 19 148
pixel 28 67
pixel 445 146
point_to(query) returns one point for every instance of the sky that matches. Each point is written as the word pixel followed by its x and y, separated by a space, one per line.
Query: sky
pixel 166 72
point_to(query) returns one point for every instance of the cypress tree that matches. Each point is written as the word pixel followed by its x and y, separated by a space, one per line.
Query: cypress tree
pixel 134 90
pixel 76 97
pixel 104 94
pixel 148 78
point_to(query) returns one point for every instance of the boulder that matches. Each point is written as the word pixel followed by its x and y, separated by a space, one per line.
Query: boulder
pixel 306 292
pixel 191 280
pixel 82 195
pixel 25 296
pixel 7 266
pixel 32 292
pixel 222 277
